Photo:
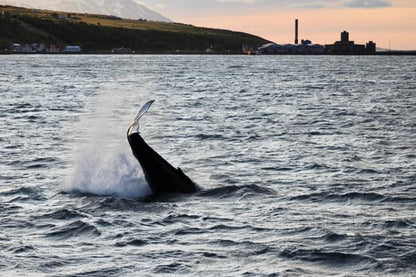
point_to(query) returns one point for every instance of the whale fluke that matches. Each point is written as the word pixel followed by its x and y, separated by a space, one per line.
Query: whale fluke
pixel 134 127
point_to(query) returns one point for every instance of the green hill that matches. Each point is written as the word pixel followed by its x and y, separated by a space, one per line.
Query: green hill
pixel 100 33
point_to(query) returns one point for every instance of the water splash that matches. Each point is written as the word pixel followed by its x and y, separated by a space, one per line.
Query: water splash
pixel 103 163
pixel 102 174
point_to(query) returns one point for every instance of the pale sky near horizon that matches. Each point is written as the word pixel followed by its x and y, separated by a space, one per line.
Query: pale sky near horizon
pixel 386 22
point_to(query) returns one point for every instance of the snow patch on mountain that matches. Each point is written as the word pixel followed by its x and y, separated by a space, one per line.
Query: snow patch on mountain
pixel 122 8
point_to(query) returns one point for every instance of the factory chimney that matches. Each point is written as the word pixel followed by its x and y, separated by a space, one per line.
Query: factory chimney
pixel 296 31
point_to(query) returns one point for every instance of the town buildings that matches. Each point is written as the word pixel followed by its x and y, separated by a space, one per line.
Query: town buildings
pixel 34 48
pixel 42 48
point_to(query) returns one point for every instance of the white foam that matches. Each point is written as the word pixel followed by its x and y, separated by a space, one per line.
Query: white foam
pixel 103 163
pixel 113 175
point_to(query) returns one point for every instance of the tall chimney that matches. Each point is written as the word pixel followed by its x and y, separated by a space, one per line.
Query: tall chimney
pixel 296 31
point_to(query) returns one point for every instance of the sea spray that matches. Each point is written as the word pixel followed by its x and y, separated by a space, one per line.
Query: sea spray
pixel 104 174
pixel 103 163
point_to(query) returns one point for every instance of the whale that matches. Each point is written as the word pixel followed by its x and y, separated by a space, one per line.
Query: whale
pixel 160 175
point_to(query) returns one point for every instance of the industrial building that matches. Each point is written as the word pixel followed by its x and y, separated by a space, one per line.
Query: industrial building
pixel 342 47
pixel 305 47
pixel 347 47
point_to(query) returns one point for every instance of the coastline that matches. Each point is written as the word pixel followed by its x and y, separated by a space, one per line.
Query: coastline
pixel 386 53
pixel 27 32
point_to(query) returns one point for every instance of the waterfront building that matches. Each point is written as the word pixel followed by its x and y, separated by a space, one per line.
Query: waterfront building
pixel 38 47
pixel 21 48
pixel 52 48
pixel 121 50
pixel 72 49
pixel 370 47
pixel 306 47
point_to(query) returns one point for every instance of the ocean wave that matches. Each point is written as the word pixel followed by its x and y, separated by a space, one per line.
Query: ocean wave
pixel 19 191
pixel 397 224
pixel 334 197
pixel 243 248
pixel 133 242
pixel 75 229
pixel 172 268
pixel 62 214
pixel 174 218
pixel 93 202
pixel 23 194
pixel 21 249
pixel 210 137
pixel 352 196
pixel 272 168
pixel 35 163
pixel 334 237
pixel 333 259
pixel 236 191
pixel 96 272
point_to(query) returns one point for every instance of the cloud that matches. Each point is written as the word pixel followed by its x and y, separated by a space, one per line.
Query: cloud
pixel 183 7
pixel 368 4
pixel 314 5
pixel 160 6
pixel 241 1
pixel 320 4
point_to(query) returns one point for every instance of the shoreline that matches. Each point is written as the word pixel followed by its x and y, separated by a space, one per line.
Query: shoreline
pixel 387 53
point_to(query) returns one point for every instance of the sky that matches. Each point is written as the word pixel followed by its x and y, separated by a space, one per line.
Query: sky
pixel 389 23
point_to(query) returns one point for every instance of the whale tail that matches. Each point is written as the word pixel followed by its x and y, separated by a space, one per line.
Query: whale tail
pixel 160 175
pixel 134 127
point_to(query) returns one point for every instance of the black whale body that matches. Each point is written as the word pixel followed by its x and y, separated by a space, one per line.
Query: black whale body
pixel 160 175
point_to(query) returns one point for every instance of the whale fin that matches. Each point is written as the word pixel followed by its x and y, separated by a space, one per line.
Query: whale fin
pixel 134 127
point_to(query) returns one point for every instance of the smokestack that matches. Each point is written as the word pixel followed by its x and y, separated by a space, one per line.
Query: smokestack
pixel 296 31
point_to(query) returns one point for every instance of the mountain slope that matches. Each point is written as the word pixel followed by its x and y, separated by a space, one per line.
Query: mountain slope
pixel 122 8
pixel 101 33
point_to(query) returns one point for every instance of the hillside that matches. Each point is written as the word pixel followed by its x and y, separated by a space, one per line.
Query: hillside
pixel 101 33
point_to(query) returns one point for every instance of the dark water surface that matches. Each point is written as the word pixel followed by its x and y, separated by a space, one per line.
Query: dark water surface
pixel 308 166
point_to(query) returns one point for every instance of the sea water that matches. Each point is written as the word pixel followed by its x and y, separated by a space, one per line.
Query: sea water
pixel 307 164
